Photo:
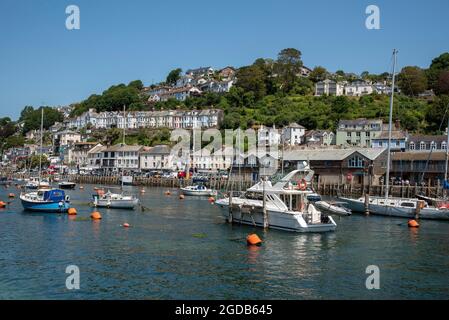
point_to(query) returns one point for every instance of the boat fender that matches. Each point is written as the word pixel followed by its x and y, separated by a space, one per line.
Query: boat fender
pixel 302 184
pixel 253 239
pixel 413 224
pixel 67 198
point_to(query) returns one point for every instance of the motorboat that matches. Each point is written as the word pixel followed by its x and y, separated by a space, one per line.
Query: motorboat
pixel 198 190
pixel 333 208
pixel 66 185
pixel 397 207
pixel 114 200
pixel 46 200
pixel 285 206
pixel 35 183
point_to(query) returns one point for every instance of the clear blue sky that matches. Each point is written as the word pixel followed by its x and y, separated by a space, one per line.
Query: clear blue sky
pixel 41 62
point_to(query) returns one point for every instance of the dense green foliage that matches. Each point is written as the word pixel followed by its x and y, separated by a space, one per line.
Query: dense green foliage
pixel 32 118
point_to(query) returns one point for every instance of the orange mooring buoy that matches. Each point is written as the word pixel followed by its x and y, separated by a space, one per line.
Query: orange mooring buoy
pixel 126 225
pixel 167 193
pixel 211 199
pixel 95 215
pixel 11 195
pixel 413 224
pixel 2 204
pixel 253 239
pixel 72 212
pixel 181 196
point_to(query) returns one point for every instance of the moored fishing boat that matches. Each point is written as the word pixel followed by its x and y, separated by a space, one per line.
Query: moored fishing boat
pixel 45 200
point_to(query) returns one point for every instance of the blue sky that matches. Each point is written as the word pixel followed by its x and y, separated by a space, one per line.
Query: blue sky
pixel 41 62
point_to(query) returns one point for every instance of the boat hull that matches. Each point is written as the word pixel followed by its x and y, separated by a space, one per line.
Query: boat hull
pixel 286 221
pixel 400 212
pixel 116 204
pixel 67 185
pixel 50 207
pixel 189 192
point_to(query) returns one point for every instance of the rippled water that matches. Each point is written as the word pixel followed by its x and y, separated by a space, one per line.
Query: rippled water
pixel 183 249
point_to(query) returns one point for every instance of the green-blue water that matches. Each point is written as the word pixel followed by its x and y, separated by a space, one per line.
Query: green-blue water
pixel 183 249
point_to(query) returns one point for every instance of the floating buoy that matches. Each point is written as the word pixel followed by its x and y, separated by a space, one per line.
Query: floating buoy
pixel 2 204
pixel 413 224
pixel 95 215
pixel 72 212
pixel 11 195
pixel 167 193
pixel 211 199
pixel 181 196
pixel 81 187
pixel 142 190
pixel 253 239
pixel 126 225
pixel 100 192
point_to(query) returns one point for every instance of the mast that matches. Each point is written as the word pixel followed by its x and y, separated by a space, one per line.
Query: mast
pixel 124 124
pixel 42 133
pixel 387 177
pixel 447 158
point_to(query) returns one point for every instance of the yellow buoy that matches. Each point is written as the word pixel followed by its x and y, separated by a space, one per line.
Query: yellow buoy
pixel 413 224
pixel 253 239
pixel 95 215
pixel 72 212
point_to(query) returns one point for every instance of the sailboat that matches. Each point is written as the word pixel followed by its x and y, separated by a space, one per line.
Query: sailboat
pixel 44 199
pixel 394 206
pixel 116 200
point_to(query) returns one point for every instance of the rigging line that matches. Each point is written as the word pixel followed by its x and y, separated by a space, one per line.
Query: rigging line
pixel 431 149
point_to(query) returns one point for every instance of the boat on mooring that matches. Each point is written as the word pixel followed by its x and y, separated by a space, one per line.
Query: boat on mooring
pixel 66 185
pixel 35 183
pixel 282 206
pixel 335 208
pixel 198 190
pixel 114 200
pixel 46 200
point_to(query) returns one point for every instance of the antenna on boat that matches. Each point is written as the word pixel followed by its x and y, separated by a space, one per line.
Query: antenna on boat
pixel 390 120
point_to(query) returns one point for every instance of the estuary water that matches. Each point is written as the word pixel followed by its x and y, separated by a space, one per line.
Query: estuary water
pixel 184 249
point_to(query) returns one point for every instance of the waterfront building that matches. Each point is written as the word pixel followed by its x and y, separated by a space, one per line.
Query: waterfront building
pixel 417 167
pixel 156 158
pixel 267 136
pixel 361 166
pixel 95 156
pixel 121 157
pixel 425 143
pixel 78 153
pixel 358 132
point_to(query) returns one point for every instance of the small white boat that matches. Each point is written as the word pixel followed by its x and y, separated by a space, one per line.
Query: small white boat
pixel 36 183
pixel 333 208
pixel 67 185
pixel 115 200
pixel 198 190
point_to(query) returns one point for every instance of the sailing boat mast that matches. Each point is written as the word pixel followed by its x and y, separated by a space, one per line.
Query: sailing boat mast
pixel 387 177
pixel 124 124
pixel 40 154
pixel 447 157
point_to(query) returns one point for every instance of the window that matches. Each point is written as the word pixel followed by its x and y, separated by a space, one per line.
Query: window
pixel 443 145
pixel 433 145
pixel 356 162
pixel 348 134
pixel 422 145
pixel 367 133
pixel 412 146
pixel 358 134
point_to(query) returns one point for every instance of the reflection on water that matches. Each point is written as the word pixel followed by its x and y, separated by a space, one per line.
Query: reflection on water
pixel 183 249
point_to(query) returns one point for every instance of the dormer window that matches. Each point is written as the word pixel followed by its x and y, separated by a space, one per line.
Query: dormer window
pixel 422 145
pixel 433 145
pixel 443 145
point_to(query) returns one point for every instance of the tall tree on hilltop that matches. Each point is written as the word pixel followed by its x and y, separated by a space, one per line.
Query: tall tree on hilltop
pixel 318 74
pixel 288 67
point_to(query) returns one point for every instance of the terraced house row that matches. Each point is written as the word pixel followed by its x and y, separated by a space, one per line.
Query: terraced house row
pixel 172 119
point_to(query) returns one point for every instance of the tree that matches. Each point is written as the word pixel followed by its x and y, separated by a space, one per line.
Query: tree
pixel 32 118
pixel 288 66
pixel 438 65
pixel 442 86
pixel 174 76
pixel 136 84
pixel 252 78
pixel 318 74
pixel 412 81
